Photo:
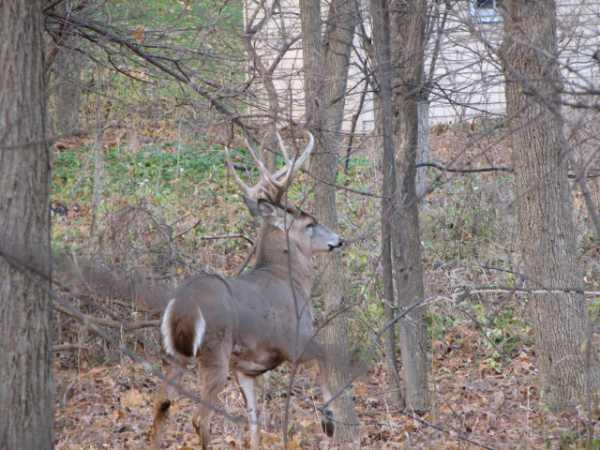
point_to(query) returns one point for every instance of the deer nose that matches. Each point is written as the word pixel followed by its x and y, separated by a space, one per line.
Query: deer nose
pixel 340 244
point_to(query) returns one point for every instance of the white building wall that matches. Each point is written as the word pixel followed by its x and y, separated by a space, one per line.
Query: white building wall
pixel 468 76
pixel 288 77
pixel 467 81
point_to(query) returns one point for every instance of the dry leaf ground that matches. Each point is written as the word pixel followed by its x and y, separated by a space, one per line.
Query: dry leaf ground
pixel 472 407
pixel 482 359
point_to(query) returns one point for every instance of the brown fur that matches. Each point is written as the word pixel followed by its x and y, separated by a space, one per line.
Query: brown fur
pixel 253 322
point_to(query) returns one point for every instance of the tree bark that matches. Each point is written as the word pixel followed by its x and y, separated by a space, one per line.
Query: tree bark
pixel 389 212
pixel 26 421
pixel 67 67
pixel 408 20
pixel 567 362
pixel 328 59
pixel 266 76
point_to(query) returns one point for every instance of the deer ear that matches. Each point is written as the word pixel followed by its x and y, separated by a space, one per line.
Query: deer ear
pixel 252 206
pixel 270 213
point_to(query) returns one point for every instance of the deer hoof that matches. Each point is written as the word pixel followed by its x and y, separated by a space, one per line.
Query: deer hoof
pixel 327 424
pixel 165 406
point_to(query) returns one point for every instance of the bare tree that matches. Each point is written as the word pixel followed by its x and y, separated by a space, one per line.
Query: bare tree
pixel 566 355
pixel 408 23
pixel 399 35
pixel 64 65
pixel 25 163
pixel 389 214
pixel 256 20
pixel 327 59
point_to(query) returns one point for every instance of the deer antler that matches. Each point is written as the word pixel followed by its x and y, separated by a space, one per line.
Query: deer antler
pixel 273 184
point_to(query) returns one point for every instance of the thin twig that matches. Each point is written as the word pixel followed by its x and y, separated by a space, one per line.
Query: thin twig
pixel 226 236
pixel 41 282
pixel 448 169
pixel 107 322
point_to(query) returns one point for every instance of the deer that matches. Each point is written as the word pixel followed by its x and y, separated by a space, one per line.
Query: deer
pixel 251 323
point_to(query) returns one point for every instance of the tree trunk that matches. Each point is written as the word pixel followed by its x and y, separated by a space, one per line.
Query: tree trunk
pixel 66 67
pixel 324 108
pixel 422 146
pixel 389 212
pixel 567 363
pixel 408 49
pixel 257 65
pixel 26 421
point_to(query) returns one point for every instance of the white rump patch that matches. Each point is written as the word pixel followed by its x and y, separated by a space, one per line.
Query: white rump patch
pixel 200 329
pixel 165 331
pixel 167 338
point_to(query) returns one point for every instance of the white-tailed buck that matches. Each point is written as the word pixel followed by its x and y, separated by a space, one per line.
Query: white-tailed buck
pixel 251 323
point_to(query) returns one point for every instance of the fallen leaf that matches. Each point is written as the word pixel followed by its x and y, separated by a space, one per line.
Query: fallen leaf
pixel 132 399
pixel 230 440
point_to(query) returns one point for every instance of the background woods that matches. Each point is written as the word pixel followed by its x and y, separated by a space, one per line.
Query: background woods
pixel 457 153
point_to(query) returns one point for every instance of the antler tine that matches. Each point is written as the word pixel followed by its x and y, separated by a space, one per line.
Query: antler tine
pixel 266 177
pixel 269 180
pixel 250 192
pixel 286 156
pixel 292 166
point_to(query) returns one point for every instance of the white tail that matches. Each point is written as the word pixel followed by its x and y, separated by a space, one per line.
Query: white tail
pixel 174 335
pixel 251 323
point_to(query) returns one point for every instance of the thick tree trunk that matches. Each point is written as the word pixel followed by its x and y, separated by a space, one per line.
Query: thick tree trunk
pixel 567 363
pixel 408 51
pixel 26 421
pixel 324 108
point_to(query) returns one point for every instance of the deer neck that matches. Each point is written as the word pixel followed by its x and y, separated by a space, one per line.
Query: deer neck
pixel 276 251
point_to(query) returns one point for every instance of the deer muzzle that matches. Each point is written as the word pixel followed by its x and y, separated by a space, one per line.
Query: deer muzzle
pixel 338 246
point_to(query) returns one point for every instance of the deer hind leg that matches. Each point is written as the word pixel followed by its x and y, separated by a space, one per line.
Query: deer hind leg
pixel 214 378
pixel 315 350
pixel 173 372
pixel 248 388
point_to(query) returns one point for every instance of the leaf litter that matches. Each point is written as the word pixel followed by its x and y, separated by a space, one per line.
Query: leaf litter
pixel 477 400
pixel 111 407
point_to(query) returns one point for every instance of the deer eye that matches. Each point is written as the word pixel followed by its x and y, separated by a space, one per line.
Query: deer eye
pixel 310 225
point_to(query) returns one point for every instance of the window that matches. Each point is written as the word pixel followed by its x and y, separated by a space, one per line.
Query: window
pixel 485 11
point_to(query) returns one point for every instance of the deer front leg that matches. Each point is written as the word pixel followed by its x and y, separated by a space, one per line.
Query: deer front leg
pixel 173 372
pixel 315 350
pixel 248 388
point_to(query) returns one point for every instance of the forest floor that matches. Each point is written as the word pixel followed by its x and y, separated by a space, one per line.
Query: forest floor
pixel 110 406
pixel 482 386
